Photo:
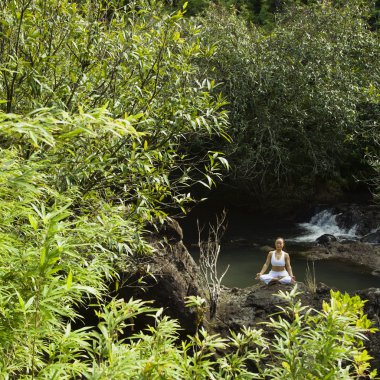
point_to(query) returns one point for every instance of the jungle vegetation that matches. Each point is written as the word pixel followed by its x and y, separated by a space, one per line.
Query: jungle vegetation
pixel 110 113
pixel 303 100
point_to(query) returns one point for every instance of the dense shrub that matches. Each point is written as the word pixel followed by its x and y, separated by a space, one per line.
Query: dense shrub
pixel 297 94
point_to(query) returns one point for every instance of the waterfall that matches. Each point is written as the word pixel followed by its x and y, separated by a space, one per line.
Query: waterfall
pixel 324 222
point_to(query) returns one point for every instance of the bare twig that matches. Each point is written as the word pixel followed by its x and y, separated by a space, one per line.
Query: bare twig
pixel 208 259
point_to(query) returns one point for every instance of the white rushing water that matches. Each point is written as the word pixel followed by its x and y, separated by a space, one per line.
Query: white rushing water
pixel 324 222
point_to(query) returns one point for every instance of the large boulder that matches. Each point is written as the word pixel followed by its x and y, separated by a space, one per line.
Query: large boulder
pixel 365 217
pixel 373 237
pixel 167 277
pixel 326 239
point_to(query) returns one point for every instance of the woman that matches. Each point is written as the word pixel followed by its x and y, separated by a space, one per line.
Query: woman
pixel 281 270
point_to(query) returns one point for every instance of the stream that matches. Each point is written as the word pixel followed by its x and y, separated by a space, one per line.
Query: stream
pixel 242 249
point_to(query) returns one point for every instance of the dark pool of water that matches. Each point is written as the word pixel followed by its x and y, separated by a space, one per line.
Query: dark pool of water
pixel 245 262
pixel 247 259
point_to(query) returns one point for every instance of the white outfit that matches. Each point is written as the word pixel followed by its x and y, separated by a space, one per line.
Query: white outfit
pixel 285 278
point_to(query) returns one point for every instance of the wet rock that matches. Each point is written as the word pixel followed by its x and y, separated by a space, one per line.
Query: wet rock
pixel 364 254
pixel 326 239
pixel 365 217
pixel 376 272
pixel 266 248
pixel 347 241
pixel 373 238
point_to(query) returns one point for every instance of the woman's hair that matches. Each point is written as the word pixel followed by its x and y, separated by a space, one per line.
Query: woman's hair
pixel 280 238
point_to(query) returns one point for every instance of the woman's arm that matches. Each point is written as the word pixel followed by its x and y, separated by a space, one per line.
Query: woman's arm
pixel 288 266
pixel 265 266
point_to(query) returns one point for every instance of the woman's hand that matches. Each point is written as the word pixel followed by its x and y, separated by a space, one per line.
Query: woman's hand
pixel 258 276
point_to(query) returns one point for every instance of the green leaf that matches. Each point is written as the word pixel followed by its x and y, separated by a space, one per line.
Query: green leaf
pixel 69 280
pixel 33 222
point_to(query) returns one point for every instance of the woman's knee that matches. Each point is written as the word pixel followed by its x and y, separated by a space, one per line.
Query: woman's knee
pixel 265 278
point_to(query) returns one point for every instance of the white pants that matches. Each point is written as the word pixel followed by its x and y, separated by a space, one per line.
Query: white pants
pixel 285 278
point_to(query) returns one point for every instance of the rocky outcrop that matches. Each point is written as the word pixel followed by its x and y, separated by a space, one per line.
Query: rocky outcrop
pixel 326 239
pixel 167 277
pixel 253 305
pixel 373 237
pixel 366 218
pixel 359 253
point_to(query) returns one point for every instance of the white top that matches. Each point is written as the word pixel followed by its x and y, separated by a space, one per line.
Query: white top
pixel 280 262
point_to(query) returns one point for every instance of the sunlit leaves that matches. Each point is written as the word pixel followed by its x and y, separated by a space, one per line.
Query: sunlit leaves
pixel 98 102
pixel 315 345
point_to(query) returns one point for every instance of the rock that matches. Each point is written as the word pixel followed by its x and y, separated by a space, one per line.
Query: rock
pixel 376 272
pixel 373 237
pixel 347 241
pixel 358 253
pixel 365 217
pixel 372 306
pixel 326 239
pixel 168 276
pixel 323 288
pixel 171 231
pixel 251 306
pixel 265 300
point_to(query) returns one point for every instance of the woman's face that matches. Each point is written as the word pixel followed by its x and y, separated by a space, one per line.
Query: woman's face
pixel 279 243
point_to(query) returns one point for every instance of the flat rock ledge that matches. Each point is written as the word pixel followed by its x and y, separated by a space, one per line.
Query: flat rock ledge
pixel 252 305
pixel 364 254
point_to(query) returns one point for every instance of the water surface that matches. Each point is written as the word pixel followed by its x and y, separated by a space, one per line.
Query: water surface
pixel 243 251
pixel 245 262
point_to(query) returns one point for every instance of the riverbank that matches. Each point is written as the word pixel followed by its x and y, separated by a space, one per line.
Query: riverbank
pixel 365 255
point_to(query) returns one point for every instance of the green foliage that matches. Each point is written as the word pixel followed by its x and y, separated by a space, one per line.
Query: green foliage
pixel 199 304
pixel 265 12
pixel 138 60
pixel 61 238
pixel 367 133
pixel 320 345
pixel 45 272
pixel 296 95
pixel 156 354
pixel 98 102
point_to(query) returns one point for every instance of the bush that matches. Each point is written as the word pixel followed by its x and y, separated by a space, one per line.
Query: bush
pixel 296 96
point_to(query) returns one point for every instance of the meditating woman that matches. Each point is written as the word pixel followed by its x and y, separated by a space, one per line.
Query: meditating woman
pixel 281 270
